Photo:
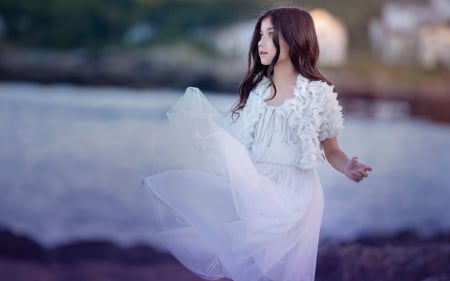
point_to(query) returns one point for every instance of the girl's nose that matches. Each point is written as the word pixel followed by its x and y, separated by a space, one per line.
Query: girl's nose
pixel 260 42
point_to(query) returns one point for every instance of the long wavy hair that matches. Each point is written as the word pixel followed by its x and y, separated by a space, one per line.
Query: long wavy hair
pixel 297 28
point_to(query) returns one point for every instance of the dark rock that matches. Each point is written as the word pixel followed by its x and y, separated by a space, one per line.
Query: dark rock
pixel 86 250
pixel 401 238
pixel 397 257
pixel 438 277
pixel 142 254
pixel 384 259
pixel 107 251
pixel 17 246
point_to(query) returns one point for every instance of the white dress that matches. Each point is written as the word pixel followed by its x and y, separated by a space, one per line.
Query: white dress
pixel 243 200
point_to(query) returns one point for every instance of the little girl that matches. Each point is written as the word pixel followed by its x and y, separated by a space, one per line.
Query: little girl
pixel 242 199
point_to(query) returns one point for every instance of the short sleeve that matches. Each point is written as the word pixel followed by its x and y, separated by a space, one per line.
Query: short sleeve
pixel 332 122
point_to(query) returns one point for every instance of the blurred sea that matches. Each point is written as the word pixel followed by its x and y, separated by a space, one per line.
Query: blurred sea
pixel 72 160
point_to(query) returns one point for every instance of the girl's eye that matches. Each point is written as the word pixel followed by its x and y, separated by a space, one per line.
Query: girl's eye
pixel 270 34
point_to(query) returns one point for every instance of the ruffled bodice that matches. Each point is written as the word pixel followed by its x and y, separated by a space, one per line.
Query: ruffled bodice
pixel 291 134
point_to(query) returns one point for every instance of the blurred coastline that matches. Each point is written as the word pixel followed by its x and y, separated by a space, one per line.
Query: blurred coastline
pixel 390 50
pixel 180 65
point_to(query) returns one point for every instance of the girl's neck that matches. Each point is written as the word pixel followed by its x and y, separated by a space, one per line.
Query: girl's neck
pixel 284 73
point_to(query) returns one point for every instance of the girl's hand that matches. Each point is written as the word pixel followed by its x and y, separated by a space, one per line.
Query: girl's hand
pixel 356 170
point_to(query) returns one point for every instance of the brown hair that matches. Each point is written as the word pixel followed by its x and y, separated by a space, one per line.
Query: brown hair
pixel 297 28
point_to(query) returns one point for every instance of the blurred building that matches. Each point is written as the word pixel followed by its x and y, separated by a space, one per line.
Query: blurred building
pixel 434 46
pixel 412 33
pixel 331 34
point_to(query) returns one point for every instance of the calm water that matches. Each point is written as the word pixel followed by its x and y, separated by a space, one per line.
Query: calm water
pixel 72 160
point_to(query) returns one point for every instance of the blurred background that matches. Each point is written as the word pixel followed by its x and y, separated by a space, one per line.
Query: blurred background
pixel 84 87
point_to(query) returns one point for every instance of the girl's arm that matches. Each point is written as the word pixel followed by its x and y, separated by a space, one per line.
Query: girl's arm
pixel 352 168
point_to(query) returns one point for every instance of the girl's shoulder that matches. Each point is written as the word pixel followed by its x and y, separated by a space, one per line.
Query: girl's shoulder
pixel 318 87
pixel 314 91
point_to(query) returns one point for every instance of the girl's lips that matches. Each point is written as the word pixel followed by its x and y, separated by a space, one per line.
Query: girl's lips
pixel 261 53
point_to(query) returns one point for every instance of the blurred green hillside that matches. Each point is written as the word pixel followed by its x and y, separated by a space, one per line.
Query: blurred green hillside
pixel 66 24
pixel 88 42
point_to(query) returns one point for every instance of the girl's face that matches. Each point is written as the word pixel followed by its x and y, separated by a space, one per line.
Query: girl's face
pixel 266 48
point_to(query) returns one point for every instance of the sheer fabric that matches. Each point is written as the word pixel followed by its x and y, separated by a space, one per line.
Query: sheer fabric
pixel 242 200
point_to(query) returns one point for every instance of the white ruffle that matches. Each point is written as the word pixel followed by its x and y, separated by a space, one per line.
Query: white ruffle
pixel 311 116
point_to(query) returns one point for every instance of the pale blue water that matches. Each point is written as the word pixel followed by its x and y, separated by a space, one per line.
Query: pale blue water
pixel 72 160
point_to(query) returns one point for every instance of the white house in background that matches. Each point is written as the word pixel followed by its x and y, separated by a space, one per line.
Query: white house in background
pixel 434 46
pixel 331 34
pixel 399 36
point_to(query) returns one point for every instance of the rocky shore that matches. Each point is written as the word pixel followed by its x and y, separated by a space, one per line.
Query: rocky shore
pixel 403 256
pixel 181 65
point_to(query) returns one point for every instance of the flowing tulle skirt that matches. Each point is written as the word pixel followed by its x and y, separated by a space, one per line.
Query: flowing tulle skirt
pixel 222 215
